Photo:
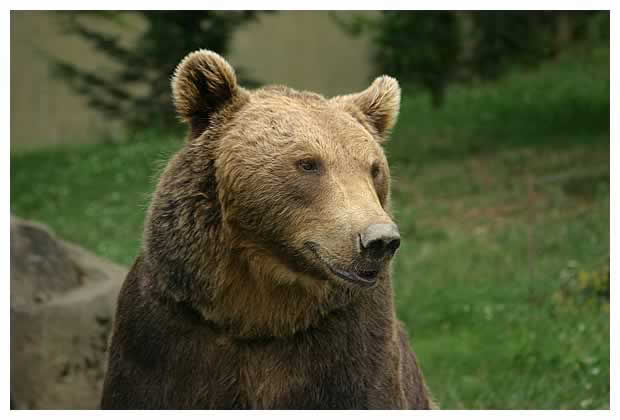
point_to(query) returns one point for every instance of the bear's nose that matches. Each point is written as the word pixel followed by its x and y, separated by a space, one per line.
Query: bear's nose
pixel 380 240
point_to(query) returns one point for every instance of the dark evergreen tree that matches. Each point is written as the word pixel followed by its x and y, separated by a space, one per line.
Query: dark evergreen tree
pixel 138 93
pixel 433 49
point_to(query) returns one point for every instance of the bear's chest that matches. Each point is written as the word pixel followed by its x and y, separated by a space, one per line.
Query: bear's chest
pixel 346 372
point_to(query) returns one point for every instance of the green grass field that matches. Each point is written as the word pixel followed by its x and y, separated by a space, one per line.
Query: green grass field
pixel 502 197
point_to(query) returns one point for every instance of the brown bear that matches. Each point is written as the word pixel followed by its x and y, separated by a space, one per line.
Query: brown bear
pixel 264 277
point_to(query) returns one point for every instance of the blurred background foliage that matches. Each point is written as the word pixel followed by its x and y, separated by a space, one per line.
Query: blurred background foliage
pixel 138 92
pixel 431 50
pixel 444 47
pixel 500 167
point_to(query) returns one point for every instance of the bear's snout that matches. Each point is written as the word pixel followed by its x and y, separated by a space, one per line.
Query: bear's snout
pixel 379 241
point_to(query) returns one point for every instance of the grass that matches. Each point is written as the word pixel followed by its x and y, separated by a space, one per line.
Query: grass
pixel 502 198
pixel 93 195
pixel 480 280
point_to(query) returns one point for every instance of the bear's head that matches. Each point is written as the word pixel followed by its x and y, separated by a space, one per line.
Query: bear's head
pixel 278 198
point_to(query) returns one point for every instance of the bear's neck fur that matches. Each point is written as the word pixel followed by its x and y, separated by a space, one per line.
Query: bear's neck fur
pixel 195 259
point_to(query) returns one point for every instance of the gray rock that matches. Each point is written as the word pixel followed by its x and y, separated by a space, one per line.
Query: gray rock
pixel 40 265
pixel 63 300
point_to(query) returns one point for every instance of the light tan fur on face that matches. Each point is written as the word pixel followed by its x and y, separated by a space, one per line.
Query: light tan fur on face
pixel 242 151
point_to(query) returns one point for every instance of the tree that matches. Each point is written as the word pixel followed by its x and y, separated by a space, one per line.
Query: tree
pixel 433 49
pixel 138 93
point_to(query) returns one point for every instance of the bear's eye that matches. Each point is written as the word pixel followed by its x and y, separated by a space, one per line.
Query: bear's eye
pixel 374 170
pixel 308 165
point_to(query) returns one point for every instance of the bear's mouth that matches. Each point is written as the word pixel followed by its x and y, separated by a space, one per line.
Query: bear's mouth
pixel 363 276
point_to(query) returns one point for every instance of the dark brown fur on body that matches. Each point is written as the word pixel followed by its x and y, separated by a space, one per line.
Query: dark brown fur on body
pixel 238 298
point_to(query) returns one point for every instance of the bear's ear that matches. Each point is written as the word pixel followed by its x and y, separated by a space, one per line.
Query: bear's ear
pixel 202 84
pixel 379 104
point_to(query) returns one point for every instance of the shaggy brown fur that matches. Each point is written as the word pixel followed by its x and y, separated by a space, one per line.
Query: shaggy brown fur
pixel 238 299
